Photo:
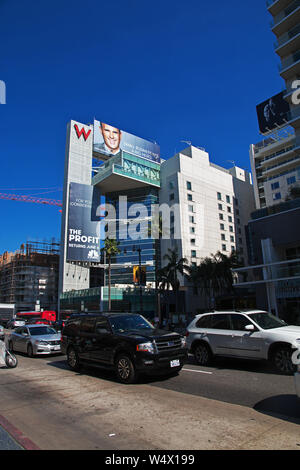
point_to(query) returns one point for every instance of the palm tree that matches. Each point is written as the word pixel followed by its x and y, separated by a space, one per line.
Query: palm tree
pixel 170 272
pixel 111 249
pixel 214 275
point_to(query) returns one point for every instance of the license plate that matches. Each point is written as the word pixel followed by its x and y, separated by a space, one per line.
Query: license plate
pixel 175 363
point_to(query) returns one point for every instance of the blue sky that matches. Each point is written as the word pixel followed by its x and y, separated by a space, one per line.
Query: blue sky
pixel 164 70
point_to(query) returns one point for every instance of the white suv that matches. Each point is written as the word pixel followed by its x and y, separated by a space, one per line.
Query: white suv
pixel 252 334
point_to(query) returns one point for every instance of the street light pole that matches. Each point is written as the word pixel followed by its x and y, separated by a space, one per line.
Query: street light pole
pixel 139 250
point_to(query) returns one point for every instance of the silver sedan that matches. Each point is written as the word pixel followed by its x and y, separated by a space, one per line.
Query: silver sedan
pixel 35 339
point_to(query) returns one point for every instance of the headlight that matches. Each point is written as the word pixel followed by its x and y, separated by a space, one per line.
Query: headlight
pixel 146 347
pixel 183 342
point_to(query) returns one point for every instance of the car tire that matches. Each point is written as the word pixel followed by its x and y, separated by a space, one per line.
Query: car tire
pixel 125 369
pixel 30 350
pixel 282 360
pixel 73 359
pixel 202 354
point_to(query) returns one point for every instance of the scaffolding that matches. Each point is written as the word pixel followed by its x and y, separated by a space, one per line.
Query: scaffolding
pixel 30 274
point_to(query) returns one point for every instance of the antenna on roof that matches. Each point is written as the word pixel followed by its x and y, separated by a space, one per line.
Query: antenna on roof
pixel 187 142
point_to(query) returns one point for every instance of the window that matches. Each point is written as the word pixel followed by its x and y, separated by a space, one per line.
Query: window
pixel 220 322
pixel 228 199
pixel 275 185
pixel 219 196
pixel 276 196
pixel 189 185
pixel 221 217
pixel 230 228
pixel 222 226
pixel 228 209
pixel 191 219
pixel 189 197
pixel 191 208
pixel 171 197
pixel 237 212
pixel 193 241
pixel 232 248
pixel 193 253
pixel 87 325
pixel 238 322
pixel 220 207
pixel 224 248
pixel 231 238
pixel 102 326
pixel 230 219
pixel 204 322
pixel 291 180
pixel 223 236
pixel 192 229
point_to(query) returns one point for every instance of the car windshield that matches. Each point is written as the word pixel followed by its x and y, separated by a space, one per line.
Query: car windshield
pixel 123 323
pixel 266 320
pixel 42 330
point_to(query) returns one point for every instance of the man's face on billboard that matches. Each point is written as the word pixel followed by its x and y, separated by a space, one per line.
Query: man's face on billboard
pixel 111 136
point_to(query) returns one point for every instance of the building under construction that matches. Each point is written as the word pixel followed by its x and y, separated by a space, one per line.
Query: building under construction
pixel 29 276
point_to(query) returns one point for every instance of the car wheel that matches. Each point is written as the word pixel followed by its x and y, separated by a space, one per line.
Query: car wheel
pixel 202 354
pixel 125 370
pixel 73 359
pixel 29 350
pixel 282 360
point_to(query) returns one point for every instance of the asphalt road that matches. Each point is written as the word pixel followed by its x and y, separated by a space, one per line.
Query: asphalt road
pixel 240 382
pixel 246 383
pixel 44 399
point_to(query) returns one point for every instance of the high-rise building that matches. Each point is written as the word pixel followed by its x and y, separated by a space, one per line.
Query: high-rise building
pixel 275 161
pixel 273 231
pixel 214 205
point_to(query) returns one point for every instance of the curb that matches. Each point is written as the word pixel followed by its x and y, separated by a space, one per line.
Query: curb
pixel 17 435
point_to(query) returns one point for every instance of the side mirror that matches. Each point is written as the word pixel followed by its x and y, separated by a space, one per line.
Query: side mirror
pixel 249 328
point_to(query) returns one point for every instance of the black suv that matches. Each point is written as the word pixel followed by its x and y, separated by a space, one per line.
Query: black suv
pixel 126 342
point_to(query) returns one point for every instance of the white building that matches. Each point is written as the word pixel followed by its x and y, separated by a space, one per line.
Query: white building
pixel 214 205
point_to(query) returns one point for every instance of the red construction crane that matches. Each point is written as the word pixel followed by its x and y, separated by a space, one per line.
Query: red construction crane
pixel 36 200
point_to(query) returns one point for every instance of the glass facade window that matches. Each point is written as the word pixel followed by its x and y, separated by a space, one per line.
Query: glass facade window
pixel 129 248
pixel 291 180
pixel 276 196
pixel 275 185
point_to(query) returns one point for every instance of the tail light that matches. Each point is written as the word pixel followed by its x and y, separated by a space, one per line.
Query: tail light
pixel 187 333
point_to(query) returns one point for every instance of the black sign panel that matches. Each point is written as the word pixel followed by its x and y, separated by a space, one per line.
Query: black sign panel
pixel 272 113
pixel 83 238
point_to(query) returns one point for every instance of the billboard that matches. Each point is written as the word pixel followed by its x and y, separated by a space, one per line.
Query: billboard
pixel 83 237
pixel 111 141
pixel 272 113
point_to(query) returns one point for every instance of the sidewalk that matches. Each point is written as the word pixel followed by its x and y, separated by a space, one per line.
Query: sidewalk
pixel 13 439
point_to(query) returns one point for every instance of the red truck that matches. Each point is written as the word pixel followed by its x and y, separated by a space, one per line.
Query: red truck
pixel 48 316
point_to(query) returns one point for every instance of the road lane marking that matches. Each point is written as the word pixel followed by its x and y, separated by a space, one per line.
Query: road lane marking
pixel 199 371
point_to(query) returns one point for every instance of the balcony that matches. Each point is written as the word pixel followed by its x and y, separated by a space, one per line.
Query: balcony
pixel 290 67
pixel 288 42
pixel 286 19
pixel 276 6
